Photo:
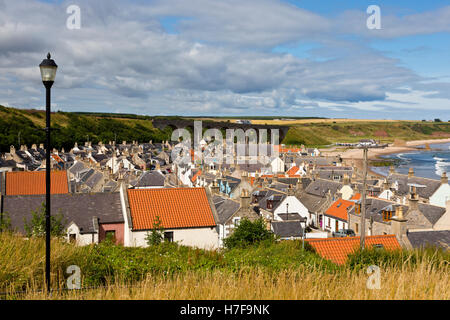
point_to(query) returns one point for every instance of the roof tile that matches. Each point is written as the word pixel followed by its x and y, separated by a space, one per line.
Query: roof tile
pixel 33 182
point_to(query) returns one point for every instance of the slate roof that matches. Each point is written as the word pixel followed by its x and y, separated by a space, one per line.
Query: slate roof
pixel 337 249
pixel 225 208
pixel 320 187
pixel 77 167
pixel 79 208
pixel 403 188
pixel 150 179
pixel 311 202
pixel 287 229
pixel 33 182
pixel 433 238
pixel 432 213
pixel 176 207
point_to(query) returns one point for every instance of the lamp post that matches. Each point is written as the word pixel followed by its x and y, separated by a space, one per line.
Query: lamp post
pixel 48 73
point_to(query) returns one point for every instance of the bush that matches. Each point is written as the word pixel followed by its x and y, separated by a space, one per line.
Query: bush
pixel 248 233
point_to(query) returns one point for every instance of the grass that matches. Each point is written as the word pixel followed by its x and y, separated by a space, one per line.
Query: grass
pixel 266 271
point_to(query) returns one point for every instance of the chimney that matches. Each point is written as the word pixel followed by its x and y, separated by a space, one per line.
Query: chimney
pixel 33 146
pixel 413 200
pixel 41 146
pixel 346 179
pixel 411 173
pixel 444 178
pixel 398 224
pixel 215 187
pixel 245 199
pixel 290 190
pixel 62 150
pixel 268 224
pixel 12 150
pixel 385 184
pixel 391 170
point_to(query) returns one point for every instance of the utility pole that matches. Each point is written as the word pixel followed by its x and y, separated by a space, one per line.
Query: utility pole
pixel 363 201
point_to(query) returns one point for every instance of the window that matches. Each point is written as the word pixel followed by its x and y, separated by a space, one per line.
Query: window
pixel 356 228
pixel 387 215
pixel 72 237
pixel 168 236
pixel 236 221
pixel 110 236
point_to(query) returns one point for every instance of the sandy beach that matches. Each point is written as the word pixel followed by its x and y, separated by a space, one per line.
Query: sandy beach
pixel 354 154
pixel 354 157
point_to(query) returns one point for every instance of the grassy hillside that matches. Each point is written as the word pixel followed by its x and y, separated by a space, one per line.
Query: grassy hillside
pixel 79 127
pixel 265 271
pixel 73 127
pixel 320 134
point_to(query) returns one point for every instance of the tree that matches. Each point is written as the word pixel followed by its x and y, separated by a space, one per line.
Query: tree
pixel 36 226
pixel 248 233
pixel 156 236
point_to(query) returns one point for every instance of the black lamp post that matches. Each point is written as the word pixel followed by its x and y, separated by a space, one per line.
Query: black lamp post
pixel 48 73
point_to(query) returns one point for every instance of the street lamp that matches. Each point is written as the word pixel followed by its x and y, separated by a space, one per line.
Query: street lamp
pixel 48 73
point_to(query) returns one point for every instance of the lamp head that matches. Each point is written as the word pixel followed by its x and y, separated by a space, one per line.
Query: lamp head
pixel 48 70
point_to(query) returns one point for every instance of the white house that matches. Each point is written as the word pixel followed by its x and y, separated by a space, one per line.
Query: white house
pixel 187 216
pixel 442 194
pixel 336 216
pixel 277 165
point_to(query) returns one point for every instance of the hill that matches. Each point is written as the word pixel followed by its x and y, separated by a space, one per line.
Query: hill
pixel 27 126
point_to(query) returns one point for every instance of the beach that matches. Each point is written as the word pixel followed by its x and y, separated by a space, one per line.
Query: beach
pixel 354 157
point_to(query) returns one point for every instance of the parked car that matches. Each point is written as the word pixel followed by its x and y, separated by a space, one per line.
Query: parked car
pixel 344 233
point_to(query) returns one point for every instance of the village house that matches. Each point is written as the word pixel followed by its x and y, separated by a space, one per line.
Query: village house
pixel 335 217
pixel 88 218
pixel 187 215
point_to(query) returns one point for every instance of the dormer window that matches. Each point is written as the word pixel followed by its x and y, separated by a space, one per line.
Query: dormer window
pixel 387 215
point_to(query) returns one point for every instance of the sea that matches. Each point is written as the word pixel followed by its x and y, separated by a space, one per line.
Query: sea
pixel 426 163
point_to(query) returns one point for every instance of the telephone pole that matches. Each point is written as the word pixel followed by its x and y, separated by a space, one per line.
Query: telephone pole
pixel 363 201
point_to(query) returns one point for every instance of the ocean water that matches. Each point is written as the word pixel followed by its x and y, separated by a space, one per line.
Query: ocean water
pixel 426 163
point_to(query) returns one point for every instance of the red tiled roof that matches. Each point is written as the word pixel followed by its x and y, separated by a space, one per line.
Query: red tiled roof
pixel 33 182
pixel 194 178
pixel 356 196
pixel 176 208
pixel 293 170
pixel 337 249
pixel 339 209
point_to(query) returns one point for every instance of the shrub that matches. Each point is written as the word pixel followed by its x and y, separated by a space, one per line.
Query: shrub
pixel 248 233
pixel 36 226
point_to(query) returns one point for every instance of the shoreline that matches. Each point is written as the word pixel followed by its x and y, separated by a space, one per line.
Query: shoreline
pixel 374 153
pixel 355 156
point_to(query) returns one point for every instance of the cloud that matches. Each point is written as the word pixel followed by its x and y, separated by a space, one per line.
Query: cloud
pixel 219 61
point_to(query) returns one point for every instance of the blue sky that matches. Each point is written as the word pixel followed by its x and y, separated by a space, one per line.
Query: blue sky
pixel 229 57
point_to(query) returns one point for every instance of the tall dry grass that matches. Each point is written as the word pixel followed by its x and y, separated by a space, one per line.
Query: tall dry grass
pixel 420 284
pixel 419 276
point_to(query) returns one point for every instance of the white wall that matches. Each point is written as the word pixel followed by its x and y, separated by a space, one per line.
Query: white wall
pixel 204 238
pixel 81 239
pixel 294 206
pixel 332 221
pixel 441 195
pixel 347 192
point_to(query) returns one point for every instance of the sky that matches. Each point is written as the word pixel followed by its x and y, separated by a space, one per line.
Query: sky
pixel 289 58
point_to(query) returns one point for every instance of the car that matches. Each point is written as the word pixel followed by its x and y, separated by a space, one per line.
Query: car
pixel 344 233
